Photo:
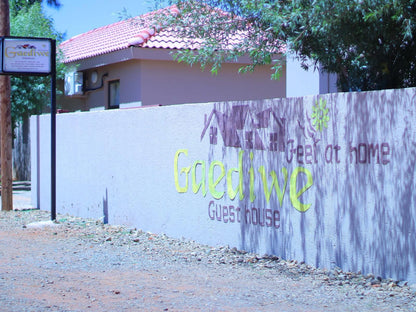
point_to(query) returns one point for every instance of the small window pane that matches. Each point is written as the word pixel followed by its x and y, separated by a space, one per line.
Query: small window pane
pixel 114 94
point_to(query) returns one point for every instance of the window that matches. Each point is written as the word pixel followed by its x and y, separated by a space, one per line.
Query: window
pixel 273 141
pixel 249 139
pixel 213 132
pixel 114 94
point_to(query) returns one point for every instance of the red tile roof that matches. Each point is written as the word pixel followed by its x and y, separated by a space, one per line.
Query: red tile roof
pixel 119 36
pixel 130 32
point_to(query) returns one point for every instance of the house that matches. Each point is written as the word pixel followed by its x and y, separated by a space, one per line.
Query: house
pixel 265 124
pixel 125 65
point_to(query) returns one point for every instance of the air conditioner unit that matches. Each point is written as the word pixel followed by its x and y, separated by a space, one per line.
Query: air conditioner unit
pixel 74 83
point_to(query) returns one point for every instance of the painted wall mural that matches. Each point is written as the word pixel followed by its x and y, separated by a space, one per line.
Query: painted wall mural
pixel 246 129
pixel 329 180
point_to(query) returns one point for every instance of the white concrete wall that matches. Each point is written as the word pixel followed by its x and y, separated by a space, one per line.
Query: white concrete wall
pixel 343 195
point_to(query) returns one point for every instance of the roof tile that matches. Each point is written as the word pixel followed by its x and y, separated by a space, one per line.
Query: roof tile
pixel 120 36
pixel 130 32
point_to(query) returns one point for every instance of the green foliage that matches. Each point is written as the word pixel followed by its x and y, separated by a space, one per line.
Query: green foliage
pixel 369 44
pixel 30 94
pixel 17 5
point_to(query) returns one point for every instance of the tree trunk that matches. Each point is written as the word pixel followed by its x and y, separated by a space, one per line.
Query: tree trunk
pixel 5 121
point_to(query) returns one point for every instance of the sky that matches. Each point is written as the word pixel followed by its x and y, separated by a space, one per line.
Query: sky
pixel 75 17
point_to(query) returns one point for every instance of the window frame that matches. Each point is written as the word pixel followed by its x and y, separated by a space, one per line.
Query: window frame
pixel 109 95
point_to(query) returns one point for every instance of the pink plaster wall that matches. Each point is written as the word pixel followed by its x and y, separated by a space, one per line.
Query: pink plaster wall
pixel 165 82
pixel 153 82
pixel 130 89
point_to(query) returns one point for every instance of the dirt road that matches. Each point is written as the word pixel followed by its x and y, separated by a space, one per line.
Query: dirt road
pixel 83 265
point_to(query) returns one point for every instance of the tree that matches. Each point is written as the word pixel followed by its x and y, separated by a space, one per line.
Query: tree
pixel 7 115
pixel 17 5
pixel 5 121
pixel 369 44
pixel 31 93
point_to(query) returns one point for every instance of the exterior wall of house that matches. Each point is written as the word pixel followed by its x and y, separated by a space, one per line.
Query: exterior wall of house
pixel 325 179
pixel 299 81
pixel 313 81
pixel 154 82
pixel 66 103
pixel 129 74
pixel 327 83
pixel 151 77
pixel 71 104
pixel 168 82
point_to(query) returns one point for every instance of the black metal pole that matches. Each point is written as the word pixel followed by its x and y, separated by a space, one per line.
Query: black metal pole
pixel 53 130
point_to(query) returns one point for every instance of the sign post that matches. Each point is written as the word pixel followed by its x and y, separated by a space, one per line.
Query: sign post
pixel 34 57
pixel 53 131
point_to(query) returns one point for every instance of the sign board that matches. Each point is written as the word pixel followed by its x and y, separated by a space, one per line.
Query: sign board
pixel 34 56
pixel 25 56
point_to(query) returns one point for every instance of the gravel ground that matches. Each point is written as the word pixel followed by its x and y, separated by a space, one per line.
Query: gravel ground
pixel 84 265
